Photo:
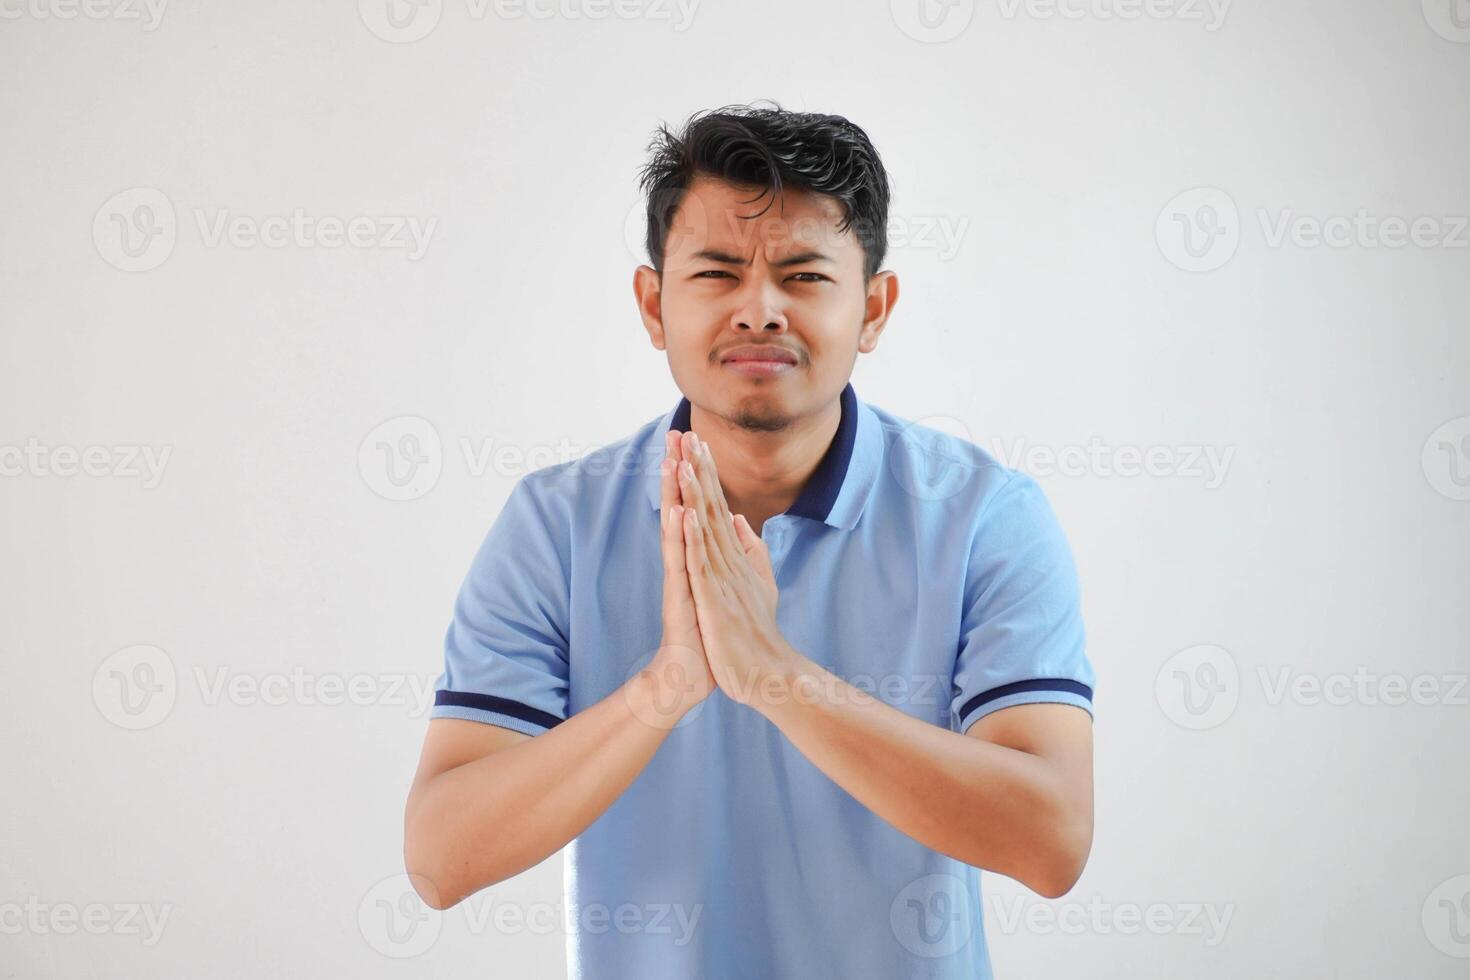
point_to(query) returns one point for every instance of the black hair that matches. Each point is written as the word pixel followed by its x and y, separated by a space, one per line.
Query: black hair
pixel 770 149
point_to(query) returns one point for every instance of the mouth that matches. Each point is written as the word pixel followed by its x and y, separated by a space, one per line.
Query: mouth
pixel 760 360
pixel 759 369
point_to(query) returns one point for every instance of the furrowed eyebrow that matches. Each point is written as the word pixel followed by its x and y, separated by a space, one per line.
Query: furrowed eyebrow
pixel 725 258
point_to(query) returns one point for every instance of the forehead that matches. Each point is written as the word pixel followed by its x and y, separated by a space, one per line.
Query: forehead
pixel 717 214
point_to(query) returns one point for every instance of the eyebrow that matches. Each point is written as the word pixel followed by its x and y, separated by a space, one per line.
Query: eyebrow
pixel 800 258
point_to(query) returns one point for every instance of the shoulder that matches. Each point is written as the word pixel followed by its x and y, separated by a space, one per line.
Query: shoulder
pixel 593 481
pixel 937 463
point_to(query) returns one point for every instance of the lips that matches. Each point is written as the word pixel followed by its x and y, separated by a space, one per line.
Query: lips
pixel 760 352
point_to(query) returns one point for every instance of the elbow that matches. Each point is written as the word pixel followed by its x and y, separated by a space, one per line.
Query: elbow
pixel 424 864
pixel 438 873
pixel 1057 881
pixel 1064 861
pixel 432 896
pixel 426 876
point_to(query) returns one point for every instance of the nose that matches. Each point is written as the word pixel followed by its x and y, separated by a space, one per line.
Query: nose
pixel 758 307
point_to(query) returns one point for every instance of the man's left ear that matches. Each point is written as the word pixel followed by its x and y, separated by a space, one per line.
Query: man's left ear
pixel 878 307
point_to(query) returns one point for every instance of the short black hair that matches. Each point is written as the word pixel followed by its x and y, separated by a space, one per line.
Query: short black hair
pixel 770 149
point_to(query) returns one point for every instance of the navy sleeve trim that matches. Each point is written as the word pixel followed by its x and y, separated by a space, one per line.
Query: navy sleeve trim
pixel 1017 687
pixel 504 706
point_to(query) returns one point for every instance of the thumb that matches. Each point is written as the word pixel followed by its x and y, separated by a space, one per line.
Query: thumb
pixel 755 549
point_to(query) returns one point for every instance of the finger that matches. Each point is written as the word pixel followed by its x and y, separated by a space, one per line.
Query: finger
pixel 673 544
pixel 668 490
pixel 716 509
pixel 674 441
pixel 671 534
pixel 694 500
pixel 754 548
pixel 696 557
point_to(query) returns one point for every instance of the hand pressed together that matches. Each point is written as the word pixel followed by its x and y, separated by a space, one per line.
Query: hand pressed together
pixel 725 569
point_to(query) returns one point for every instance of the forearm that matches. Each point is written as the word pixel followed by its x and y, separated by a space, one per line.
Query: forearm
pixel 490 819
pixel 987 805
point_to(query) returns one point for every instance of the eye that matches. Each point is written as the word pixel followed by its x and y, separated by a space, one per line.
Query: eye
pixel 818 275
pixel 711 272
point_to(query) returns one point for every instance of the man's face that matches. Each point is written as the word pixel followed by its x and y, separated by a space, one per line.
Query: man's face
pixel 785 283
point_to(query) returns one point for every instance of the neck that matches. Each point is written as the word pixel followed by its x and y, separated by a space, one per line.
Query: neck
pixel 762 473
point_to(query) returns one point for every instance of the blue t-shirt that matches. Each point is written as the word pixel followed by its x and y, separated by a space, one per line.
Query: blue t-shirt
pixel 913 565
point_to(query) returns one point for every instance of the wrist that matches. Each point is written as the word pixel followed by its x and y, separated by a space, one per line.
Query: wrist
pixel 668 687
pixel 785 676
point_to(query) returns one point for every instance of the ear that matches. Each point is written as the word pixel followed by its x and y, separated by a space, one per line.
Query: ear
pixel 648 291
pixel 877 308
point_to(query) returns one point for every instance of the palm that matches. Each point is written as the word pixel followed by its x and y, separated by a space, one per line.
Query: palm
pixel 682 646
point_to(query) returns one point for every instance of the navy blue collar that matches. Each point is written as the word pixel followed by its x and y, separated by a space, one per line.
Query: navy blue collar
pixel 820 492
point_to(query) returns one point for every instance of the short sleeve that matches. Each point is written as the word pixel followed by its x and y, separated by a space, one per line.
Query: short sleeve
pixel 505 653
pixel 1021 634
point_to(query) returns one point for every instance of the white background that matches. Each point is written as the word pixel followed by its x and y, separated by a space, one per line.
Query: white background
pixel 1052 144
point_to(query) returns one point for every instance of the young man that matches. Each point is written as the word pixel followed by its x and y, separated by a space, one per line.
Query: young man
pixel 779 743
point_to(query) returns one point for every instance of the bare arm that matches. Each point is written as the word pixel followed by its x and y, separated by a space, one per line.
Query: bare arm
pixel 1014 797
pixel 488 803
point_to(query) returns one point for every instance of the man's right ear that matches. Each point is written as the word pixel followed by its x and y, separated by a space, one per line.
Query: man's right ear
pixel 648 291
